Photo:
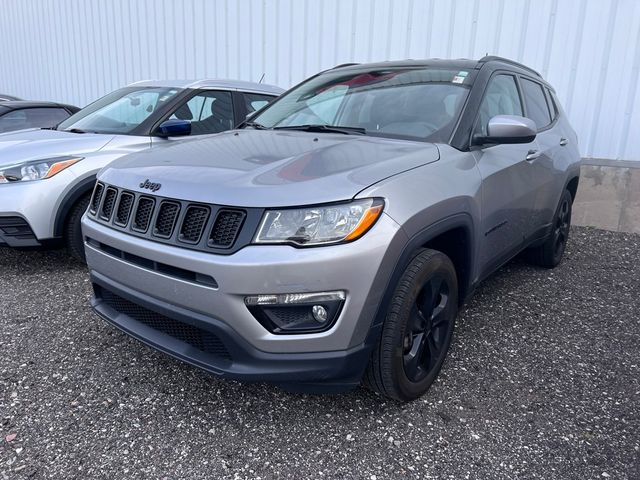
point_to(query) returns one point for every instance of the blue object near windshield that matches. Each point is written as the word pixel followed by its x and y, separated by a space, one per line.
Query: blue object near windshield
pixel 119 112
pixel 413 103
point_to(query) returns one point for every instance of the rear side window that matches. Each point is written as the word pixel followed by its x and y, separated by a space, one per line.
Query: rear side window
pixel 537 108
pixel 501 98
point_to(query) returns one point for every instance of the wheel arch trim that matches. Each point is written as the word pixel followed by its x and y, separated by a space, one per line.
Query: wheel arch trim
pixel 81 188
pixel 413 245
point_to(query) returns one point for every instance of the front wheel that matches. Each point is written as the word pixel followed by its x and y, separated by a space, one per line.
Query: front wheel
pixel 73 230
pixel 417 330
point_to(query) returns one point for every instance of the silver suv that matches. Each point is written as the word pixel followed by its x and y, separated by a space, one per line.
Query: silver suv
pixel 332 239
pixel 47 175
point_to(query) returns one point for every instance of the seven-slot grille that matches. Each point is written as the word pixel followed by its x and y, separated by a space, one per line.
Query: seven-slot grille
pixel 189 225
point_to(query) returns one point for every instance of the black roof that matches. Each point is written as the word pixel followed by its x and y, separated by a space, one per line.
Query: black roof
pixel 20 104
pixel 430 62
pixel 4 97
pixel 461 63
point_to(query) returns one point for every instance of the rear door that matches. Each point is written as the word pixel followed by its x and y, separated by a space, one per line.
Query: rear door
pixel 508 197
pixel 541 162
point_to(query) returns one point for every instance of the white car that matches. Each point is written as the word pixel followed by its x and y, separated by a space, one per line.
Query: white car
pixel 47 175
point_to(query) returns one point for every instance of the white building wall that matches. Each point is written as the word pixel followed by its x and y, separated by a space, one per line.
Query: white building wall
pixel 78 50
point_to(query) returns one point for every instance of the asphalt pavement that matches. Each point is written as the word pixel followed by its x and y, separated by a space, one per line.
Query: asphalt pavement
pixel 542 381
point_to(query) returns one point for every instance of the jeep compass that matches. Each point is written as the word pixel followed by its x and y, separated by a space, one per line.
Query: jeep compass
pixel 331 239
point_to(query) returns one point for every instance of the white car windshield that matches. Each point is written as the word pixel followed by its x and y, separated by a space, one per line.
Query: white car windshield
pixel 119 112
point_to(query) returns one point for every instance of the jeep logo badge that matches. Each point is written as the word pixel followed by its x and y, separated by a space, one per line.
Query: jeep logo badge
pixel 154 187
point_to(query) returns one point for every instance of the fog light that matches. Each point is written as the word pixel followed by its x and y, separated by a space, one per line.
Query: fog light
pixel 296 312
pixel 319 313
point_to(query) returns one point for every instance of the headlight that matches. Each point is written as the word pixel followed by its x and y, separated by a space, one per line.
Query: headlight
pixel 319 225
pixel 36 169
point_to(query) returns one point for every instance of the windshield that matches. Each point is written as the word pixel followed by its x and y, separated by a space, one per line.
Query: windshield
pixel 414 103
pixel 119 112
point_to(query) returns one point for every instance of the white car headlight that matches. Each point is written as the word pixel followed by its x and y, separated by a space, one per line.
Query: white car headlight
pixel 319 225
pixel 36 169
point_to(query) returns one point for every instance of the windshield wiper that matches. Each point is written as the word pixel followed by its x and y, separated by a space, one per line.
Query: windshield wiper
pixel 256 125
pixel 325 129
pixel 75 130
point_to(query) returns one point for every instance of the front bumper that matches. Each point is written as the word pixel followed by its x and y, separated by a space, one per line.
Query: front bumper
pixel 16 232
pixel 31 207
pixel 210 344
pixel 209 325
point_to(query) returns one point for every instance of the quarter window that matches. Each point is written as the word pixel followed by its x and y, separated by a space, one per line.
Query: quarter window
pixel 501 98
pixel 255 101
pixel 552 104
pixel 537 108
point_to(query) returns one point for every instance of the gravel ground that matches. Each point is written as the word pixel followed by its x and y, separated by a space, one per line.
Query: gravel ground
pixel 542 381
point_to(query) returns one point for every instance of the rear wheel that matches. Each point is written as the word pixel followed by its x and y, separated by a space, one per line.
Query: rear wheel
pixel 73 230
pixel 417 330
pixel 549 254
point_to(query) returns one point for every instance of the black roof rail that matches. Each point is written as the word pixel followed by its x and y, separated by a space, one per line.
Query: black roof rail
pixel 344 65
pixel 495 58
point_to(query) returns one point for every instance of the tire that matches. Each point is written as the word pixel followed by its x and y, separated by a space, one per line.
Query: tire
pixel 549 254
pixel 73 231
pixel 417 329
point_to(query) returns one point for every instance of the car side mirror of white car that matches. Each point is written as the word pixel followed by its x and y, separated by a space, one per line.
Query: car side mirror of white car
pixel 507 129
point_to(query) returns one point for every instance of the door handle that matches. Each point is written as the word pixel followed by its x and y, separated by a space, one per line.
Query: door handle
pixel 532 155
pixel 563 142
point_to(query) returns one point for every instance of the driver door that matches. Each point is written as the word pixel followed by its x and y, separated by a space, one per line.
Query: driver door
pixel 508 195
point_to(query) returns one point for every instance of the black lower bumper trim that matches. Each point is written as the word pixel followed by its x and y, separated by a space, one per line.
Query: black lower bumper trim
pixel 16 232
pixel 318 372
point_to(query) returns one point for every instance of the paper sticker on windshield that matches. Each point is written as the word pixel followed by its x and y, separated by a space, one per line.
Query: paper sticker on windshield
pixel 459 78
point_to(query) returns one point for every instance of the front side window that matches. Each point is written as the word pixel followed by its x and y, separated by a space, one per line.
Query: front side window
pixel 209 112
pixel 416 103
pixel 119 112
pixel 537 108
pixel 500 98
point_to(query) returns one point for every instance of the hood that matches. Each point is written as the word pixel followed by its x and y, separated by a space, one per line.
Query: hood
pixel 266 168
pixel 26 145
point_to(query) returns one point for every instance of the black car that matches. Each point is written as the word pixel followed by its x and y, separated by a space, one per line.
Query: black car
pixel 7 98
pixel 18 115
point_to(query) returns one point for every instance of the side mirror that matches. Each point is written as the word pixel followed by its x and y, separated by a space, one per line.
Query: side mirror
pixel 174 128
pixel 508 129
